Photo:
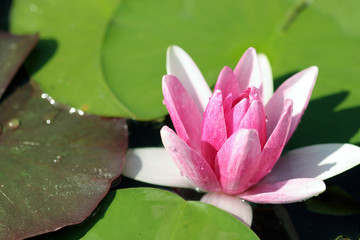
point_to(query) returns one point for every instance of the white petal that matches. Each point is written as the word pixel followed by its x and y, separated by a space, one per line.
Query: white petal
pixel 248 72
pixel 232 204
pixel 321 161
pixel 268 85
pixel 288 191
pixel 154 165
pixel 180 64
pixel 298 88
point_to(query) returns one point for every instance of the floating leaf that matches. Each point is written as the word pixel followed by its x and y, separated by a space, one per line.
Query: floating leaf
pixel 147 213
pixel 214 33
pixel 334 201
pixel 13 51
pixel 66 61
pixel 55 167
pixel 293 34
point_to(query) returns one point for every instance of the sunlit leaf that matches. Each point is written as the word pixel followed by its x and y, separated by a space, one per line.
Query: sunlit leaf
pixel 147 213
pixel 55 167
pixel 294 34
pixel 214 33
pixel 66 61
pixel 13 51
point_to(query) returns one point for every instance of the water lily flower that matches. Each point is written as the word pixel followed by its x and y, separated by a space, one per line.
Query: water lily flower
pixel 228 143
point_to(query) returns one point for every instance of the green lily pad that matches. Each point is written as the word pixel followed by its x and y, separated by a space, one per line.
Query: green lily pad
pixel 334 201
pixel 147 213
pixel 293 34
pixel 13 51
pixel 55 167
pixel 214 33
pixel 66 62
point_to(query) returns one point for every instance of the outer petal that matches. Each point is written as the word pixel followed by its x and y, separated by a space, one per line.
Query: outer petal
pixel 214 128
pixel 275 143
pixel 247 71
pixel 184 114
pixel 238 160
pixel 298 88
pixel 190 163
pixel 320 161
pixel 289 191
pixel 232 204
pixel 155 166
pixel 227 83
pixel 267 77
pixel 180 64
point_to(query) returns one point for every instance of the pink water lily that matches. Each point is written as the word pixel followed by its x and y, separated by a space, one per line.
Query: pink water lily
pixel 229 142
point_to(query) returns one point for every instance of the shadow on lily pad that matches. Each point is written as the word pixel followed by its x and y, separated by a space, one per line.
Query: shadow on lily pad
pixel 322 123
pixel 4 14
pixel 38 58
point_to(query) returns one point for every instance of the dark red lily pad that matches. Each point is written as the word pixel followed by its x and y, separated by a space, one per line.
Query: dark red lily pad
pixel 55 167
pixel 13 51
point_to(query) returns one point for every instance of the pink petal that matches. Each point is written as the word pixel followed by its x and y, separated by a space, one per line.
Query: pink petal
pixel 227 83
pixel 184 114
pixel 289 191
pixel 275 144
pixel 267 77
pixel 214 128
pixel 320 161
pixel 238 160
pixel 298 88
pixel 255 119
pixel 228 104
pixel 155 166
pixel 235 116
pixel 190 163
pixel 180 64
pixel 232 204
pixel 247 71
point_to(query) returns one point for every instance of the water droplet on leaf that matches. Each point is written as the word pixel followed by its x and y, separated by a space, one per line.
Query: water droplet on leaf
pixel 47 97
pixel 80 112
pixel 58 159
pixel 13 123
pixel 50 116
pixel 72 110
